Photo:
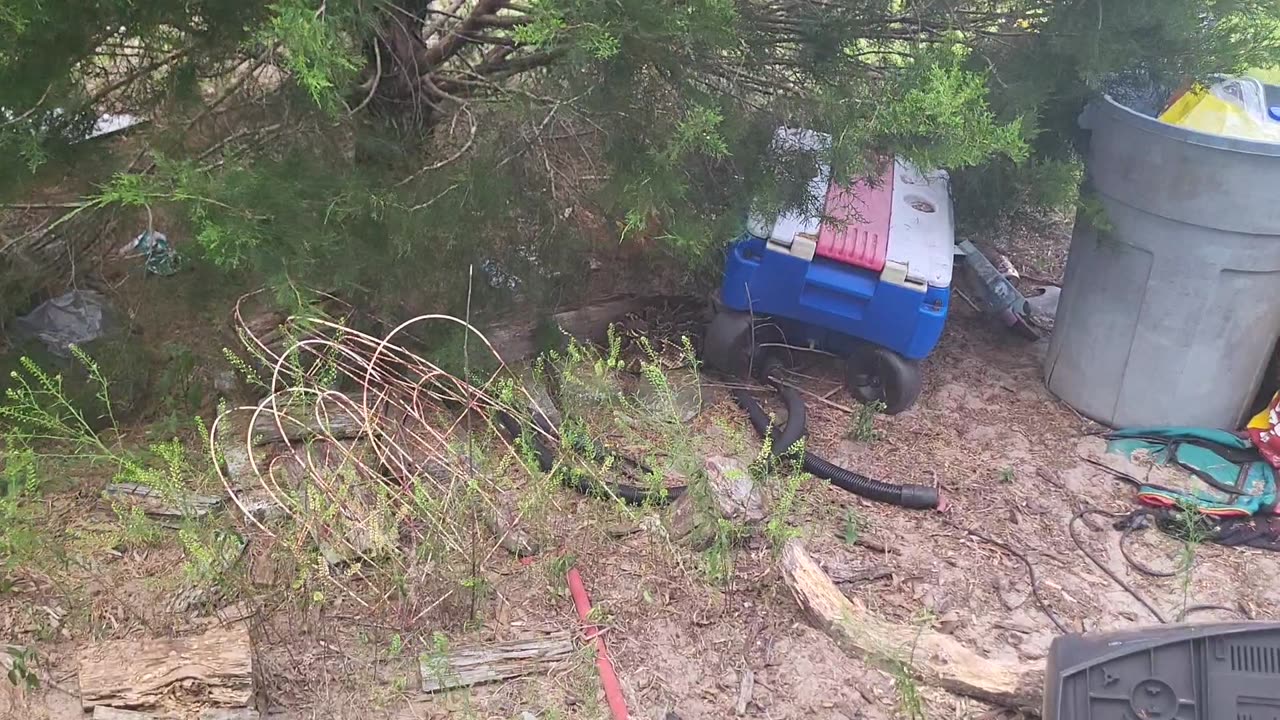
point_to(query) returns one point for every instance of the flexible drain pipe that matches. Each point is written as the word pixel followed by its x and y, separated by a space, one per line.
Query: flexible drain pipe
pixel 909 496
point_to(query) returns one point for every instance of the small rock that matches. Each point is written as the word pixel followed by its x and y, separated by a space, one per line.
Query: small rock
pixel 526 715
pixel 536 387
pixel 682 398
pixel 733 490
pixel 948 622
pixel 225 382
pixel 1030 653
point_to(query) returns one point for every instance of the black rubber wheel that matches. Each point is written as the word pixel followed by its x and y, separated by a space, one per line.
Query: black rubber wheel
pixel 733 346
pixel 878 374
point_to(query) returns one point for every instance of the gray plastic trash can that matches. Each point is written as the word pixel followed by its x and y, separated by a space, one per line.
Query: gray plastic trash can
pixel 1170 310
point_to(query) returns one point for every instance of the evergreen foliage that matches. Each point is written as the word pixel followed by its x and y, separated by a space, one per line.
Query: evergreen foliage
pixel 392 144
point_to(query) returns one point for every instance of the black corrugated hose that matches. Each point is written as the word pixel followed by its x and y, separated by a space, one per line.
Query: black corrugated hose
pixel 908 496
pixel 546 460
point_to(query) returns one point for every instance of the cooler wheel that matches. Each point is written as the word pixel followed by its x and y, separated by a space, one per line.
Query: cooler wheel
pixel 875 373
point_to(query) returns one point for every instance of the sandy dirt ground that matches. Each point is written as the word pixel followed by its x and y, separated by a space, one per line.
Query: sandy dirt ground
pixel 1005 453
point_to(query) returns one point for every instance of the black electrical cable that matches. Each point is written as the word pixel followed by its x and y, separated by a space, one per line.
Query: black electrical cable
pixel 629 494
pixel 1071 530
pixel 1202 608
pixel 1140 567
pixel 1137 564
pixel 1031 573
pixel 909 496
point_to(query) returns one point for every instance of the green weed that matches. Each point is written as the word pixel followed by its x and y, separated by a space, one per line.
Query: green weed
pixel 854 524
pixel 22 670
pixel 37 410
pixel 910 702
pixel 863 427
pixel 1191 527
pixel 434 660
pixel 719 560
pixel 1007 476
pixel 783 483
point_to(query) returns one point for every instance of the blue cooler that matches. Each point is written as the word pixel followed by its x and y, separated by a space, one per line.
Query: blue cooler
pixel 869 280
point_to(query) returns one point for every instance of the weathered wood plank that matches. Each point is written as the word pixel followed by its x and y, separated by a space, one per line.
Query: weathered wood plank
pixel 338 417
pixel 215 669
pixel 229 714
pixel 498 661
pixel 103 712
pixel 153 502
pixel 934 658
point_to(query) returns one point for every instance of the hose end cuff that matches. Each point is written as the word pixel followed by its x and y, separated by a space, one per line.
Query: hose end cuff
pixel 920 497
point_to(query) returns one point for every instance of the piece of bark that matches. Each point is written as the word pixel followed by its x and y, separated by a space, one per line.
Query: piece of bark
pixel 215 668
pixel 845 574
pixel 876 546
pixel 744 693
pixel 1014 626
pixel 499 661
pixel 731 495
pixel 234 613
pixel 934 658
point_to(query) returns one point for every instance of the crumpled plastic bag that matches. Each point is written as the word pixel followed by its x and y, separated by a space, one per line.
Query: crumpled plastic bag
pixel 1233 108
pixel 73 318
pixel 1263 431
pixel 160 257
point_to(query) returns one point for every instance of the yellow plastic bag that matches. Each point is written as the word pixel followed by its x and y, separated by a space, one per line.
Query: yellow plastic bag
pixel 1262 421
pixel 1200 110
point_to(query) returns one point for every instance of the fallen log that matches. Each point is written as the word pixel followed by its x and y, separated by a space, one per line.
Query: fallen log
pixel 499 661
pixel 933 658
pixel 213 669
pixel 516 341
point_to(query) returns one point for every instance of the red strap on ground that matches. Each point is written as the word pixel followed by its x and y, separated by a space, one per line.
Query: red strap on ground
pixel 608 678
